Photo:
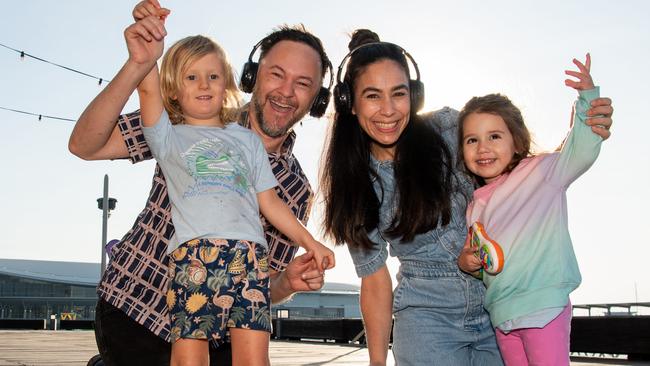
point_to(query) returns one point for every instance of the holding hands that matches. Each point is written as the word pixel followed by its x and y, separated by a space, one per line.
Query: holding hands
pixel 149 7
pixel 323 256
pixel 144 38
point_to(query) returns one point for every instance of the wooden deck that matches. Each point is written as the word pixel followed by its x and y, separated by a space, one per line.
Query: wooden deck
pixel 74 348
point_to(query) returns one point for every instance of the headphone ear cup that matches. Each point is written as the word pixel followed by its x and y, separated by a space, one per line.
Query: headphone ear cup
pixel 321 101
pixel 417 95
pixel 342 98
pixel 248 76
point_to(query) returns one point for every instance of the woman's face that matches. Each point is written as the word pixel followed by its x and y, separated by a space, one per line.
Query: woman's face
pixel 382 105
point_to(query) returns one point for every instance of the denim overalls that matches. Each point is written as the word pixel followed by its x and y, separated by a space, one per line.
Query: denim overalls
pixel 438 310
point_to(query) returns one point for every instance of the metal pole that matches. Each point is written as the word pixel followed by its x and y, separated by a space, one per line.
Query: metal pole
pixel 104 224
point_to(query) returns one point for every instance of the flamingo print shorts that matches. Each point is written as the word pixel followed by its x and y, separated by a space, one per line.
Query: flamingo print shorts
pixel 218 284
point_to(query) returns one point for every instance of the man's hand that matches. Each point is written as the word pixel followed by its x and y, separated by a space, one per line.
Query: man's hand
pixel 301 274
pixel 144 40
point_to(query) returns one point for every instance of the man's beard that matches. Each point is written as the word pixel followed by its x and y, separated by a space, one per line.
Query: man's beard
pixel 265 127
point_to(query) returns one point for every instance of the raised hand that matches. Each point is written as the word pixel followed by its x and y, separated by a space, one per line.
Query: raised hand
pixel 584 78
pixel 144 40
pixel 149 7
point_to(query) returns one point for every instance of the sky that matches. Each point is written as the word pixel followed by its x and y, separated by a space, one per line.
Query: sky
pixel 463 49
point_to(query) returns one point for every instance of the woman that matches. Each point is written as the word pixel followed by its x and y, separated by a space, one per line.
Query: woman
pixel 390 185
pixel 378 148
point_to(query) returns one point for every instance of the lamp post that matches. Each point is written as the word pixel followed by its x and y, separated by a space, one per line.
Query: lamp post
pixel 105 204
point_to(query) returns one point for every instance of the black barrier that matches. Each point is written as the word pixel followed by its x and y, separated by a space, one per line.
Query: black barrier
pixel 30 324
pixel 338 330
pixel 628 335
pixel 48 324
pixel 76 324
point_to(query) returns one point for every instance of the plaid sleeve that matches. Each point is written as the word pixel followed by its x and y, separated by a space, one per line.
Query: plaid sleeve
pixel 131 130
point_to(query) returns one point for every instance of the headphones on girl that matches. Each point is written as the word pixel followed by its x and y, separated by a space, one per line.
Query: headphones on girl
pixel 343 91
pixel 249 76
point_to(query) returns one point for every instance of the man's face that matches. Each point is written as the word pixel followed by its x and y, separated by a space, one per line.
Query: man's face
pixel 288 80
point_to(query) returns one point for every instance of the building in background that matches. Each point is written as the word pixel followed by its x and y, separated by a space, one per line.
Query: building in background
pixel 32 289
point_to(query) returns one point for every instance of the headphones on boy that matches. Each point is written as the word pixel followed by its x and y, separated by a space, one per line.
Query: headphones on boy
pixel 343 91
pixel 249 76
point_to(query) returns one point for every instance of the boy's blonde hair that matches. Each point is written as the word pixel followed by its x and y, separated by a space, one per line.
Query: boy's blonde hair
pixel 176 61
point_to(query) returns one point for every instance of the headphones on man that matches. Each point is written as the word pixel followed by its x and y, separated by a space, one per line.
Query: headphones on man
pixel 343 91
pixel 249 76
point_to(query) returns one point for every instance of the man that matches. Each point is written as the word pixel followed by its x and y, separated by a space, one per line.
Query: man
pixel 132 324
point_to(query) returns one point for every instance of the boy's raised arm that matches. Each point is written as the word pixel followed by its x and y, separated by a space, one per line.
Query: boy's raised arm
pixel 95 135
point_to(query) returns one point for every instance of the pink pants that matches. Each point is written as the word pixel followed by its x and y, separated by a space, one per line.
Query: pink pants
pixel 538 346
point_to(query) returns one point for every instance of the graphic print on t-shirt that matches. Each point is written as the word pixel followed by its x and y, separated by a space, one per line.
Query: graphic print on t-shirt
pixel 216 168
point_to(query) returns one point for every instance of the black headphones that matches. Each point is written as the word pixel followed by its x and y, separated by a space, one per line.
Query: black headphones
pixel 343 91
pixel 249 75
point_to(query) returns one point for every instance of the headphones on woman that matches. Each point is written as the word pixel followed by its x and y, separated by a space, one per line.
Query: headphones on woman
pixel 343 91
pixel 249 76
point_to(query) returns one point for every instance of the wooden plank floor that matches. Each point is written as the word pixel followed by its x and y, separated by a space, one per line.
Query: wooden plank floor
pixel 74 348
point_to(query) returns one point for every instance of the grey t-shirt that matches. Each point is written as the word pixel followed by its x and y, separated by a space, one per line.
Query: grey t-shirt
pixel 213 175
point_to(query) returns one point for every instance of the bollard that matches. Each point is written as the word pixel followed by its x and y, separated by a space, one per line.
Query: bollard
pixel 53 322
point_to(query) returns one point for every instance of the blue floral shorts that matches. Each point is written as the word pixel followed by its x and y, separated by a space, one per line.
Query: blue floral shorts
pixel 218 284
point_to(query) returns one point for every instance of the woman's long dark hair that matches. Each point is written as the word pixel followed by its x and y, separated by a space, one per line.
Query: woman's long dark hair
pixel 422 167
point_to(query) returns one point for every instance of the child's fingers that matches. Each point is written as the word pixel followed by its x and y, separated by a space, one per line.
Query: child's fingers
pixel 155 3
pixel 467 242
pixel 143 10
pixel 146 8
pixel 588 62
pixel 578 75
pixel 331 261
pixel 580 66
pixel 319 262
pixel 571 83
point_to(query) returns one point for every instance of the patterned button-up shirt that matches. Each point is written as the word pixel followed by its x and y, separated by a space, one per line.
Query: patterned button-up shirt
pixel 136 278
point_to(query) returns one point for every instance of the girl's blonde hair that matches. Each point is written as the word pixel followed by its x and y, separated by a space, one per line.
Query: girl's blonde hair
pixel 177 60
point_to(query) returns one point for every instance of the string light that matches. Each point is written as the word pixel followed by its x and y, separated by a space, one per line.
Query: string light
pixel 40 116
pixel 23 54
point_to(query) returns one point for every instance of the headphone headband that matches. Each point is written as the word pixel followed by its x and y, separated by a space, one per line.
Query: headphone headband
pixel 329 64
pixel 343 92
pixel 404 52
pixel 249 76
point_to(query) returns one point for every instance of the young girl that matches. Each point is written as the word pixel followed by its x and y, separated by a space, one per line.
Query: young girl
pixel 521 203
pixel 219 180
